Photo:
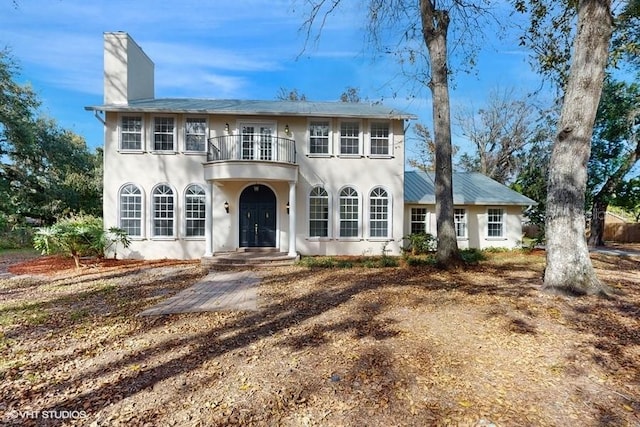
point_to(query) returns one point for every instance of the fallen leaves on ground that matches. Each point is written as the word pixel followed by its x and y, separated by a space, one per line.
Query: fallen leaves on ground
pixel 356 346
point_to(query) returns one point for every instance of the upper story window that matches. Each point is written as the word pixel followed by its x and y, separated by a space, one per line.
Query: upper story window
pixel 460 222
pixel 349 213
pixel 349 138
pixel 379 213
pixel 319 137
pixel 380 139
pixel 318 212
pixel 163 211
pixel 418 220
pixel 131 210
pixel 495 222
pixel 164 134
pixel 195 134
pixel 131 133
pixel 194 211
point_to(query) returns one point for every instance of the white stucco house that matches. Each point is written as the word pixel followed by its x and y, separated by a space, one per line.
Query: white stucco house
pixel 192 178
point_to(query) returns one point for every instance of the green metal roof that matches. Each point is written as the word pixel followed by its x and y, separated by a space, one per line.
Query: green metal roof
pixel 469 188
pixel 264 108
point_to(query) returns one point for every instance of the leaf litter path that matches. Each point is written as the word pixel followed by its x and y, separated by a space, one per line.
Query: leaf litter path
pixel 232 290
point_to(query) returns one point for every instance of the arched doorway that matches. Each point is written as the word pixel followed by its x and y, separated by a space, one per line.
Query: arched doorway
pixel 257 217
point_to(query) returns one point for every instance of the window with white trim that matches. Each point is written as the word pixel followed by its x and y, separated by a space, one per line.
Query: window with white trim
pixel 349 213
pixel 379 213
pixel 194 211
pixel 418 220
pixel 349 138
pixel 318 212
pixel 460 222
pixel 131 132
pixel 319 137
pixel 131 210
pixel 163 211
pixel 495 222
pixel 195 134
pixel 380 139
pixel 164 134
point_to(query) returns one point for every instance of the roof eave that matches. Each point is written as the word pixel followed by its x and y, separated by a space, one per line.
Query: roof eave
pixel 128 108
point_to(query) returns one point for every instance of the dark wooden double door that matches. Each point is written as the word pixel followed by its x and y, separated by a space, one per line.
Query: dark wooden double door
pixel 257 217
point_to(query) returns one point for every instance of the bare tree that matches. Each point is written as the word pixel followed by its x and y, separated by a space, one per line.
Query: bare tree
pixel 500 132
pixel 285 94
pixel 350 94
pixel 412 29
pixel 424 157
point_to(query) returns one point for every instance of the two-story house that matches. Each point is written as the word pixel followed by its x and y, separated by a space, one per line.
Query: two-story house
pixel 190 178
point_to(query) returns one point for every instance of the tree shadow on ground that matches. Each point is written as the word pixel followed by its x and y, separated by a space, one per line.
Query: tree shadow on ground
pixel 299 321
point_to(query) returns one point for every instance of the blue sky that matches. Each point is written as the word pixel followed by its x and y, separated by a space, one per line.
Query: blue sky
pixel 245 49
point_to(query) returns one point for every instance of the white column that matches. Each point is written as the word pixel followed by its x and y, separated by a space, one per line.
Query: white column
pixel 208 222
pixel 292 219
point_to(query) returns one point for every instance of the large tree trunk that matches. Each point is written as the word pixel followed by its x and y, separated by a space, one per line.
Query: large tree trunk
pixel 598 213
pixel 569 269
pixel 435 24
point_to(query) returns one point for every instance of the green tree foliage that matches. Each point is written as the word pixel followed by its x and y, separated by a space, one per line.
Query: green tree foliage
pixel 45 171
pixel 79 236
pixel 17 103
pixel 532 180
pixel 627 197
pixel 615 149
pixel 625 43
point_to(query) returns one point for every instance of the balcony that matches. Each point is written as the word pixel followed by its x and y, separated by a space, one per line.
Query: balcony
pixel 251 157
pixel 260 147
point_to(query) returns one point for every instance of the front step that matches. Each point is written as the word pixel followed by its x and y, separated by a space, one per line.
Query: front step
pixel 253 257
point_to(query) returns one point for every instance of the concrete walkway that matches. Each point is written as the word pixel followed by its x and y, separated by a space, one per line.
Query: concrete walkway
pixel 222 290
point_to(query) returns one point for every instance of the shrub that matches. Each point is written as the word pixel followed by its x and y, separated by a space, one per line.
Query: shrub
pixel 472 256
pixel 420 243
pixel 78 236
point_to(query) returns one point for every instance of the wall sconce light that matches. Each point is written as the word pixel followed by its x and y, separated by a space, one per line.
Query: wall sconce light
pixel 226 127
pixel 288 208
pixel 286 129
pixel 226 206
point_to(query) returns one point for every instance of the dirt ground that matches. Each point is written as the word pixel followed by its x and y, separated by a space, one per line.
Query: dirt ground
pixel 406 346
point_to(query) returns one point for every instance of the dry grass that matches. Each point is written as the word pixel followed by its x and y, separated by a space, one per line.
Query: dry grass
pixel 355 346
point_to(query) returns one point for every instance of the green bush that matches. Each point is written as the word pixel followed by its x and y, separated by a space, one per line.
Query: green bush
pixel 420 243
pixel 78 236
pixel 472 255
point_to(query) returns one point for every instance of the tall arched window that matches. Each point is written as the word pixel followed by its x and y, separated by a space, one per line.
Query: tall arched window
pixel 163 211
pixel 349 213
pixel 194 211
pixel 318 212
pixel 379 213
pixel 131 210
